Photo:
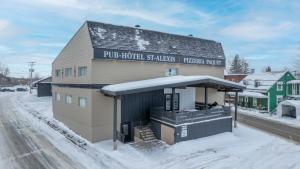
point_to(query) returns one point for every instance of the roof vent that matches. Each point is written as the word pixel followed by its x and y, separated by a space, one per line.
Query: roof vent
pixel 137 26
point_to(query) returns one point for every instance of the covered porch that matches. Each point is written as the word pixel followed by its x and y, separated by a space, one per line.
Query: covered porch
pixel 169 118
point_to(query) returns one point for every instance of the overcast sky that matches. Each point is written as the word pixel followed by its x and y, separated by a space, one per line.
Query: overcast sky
pixel 265 32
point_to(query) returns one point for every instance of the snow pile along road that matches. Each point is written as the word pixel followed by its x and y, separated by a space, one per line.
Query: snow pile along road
pixel 243 148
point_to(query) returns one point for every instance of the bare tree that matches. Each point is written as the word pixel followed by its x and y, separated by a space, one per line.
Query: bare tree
pixel 6 72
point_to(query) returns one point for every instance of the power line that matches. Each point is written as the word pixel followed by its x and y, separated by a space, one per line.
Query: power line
pixel 31 70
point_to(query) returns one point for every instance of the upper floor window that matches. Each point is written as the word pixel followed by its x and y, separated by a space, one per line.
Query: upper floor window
pixel 82 71
pixel 82 102
pixel 57 73
pixel 68 72
pixel 171 71
pixel 279 86
pixel 57 96
pixel 68 99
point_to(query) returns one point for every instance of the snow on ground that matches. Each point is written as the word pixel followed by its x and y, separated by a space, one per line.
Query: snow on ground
pixel 244 148
pixel 285 120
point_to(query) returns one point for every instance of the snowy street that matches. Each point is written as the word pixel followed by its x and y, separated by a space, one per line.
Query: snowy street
pixel 26 141
pixel 22 146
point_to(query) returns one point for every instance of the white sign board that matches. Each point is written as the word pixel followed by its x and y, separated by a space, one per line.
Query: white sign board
pixel 184 131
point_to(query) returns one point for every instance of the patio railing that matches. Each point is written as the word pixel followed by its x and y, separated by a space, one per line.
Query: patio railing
pixel 189 116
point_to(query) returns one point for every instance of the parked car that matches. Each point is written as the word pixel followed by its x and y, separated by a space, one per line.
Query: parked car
pixel 21 89
pixel 6 90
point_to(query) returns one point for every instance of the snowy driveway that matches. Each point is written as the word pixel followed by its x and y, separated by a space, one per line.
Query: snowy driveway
pixel 21 146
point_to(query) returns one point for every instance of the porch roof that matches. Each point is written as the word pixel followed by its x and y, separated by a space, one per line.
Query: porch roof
pixel 171 82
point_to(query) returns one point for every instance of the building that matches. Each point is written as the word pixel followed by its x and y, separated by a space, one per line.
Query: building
pixel 235 77
pixel 264 91
pixel 101 55
pixel 44 87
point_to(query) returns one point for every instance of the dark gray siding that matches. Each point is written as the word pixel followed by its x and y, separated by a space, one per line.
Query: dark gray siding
pixel 44 89
pixel 204 129
pixel 135 108
pixel 156 128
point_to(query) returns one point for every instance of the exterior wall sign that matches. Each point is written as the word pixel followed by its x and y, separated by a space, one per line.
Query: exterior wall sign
pixel 114 54
pixel 184 131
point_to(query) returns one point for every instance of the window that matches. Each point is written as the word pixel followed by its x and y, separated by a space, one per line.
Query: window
pixel 254 102
pixel 176 101
pixel 294 89
pixel 279 99
pixel 57 96
pixel 82 71
pixel 168 101
pixel 68 72
pixel 171 72
pixel 279 86
pixel 82 102
pixel 57 73
pixel 68 99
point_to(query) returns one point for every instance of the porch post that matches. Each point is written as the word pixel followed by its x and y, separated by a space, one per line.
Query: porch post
pixel 205 97
pixel 115 123
pixel 235 109
pixel 172 99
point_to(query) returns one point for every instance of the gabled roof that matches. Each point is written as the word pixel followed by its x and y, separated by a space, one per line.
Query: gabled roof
pixel 266 80
pixel 136 39
pixel 43 80
pixel 170 82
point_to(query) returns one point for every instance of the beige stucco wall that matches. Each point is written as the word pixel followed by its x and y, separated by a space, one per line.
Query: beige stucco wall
pixel 167 134
pixel 213 95
pixel 110 72
pixel 78 52
pixel 93 122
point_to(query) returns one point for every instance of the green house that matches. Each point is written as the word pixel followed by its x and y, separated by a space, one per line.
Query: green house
pixel 265 90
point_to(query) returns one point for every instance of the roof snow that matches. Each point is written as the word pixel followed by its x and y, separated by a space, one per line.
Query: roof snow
pixel 100 32
pixel 136 39
pixel 166 81
pixel 140 42
pixel 266 80
pixel 250 94
pixel 294 82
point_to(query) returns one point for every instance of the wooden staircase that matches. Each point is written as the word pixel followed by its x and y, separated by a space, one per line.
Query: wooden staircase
pixel 144 133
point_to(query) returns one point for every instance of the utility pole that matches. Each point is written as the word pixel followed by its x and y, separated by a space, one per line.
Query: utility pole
pixel 31 70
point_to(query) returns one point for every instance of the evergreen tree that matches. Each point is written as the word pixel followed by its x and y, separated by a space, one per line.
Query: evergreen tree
pixel 236 65
pixel 239 65
pixel 245 66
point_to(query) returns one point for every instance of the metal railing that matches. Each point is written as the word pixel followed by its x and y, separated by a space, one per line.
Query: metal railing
pixel 189 116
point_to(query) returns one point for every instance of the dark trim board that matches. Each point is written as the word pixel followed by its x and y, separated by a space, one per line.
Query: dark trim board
pixel 84 86
pixel 127 55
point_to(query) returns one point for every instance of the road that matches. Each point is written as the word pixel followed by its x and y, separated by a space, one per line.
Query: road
pixel 21 146
pixel 271 126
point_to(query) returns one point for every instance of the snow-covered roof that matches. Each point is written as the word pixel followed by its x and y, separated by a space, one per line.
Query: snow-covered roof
pixel 292 102
pixel 136 39
pixel 266 80
pixel 294 82
pixel 250 94
pixel 43 80
pixel 169 82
